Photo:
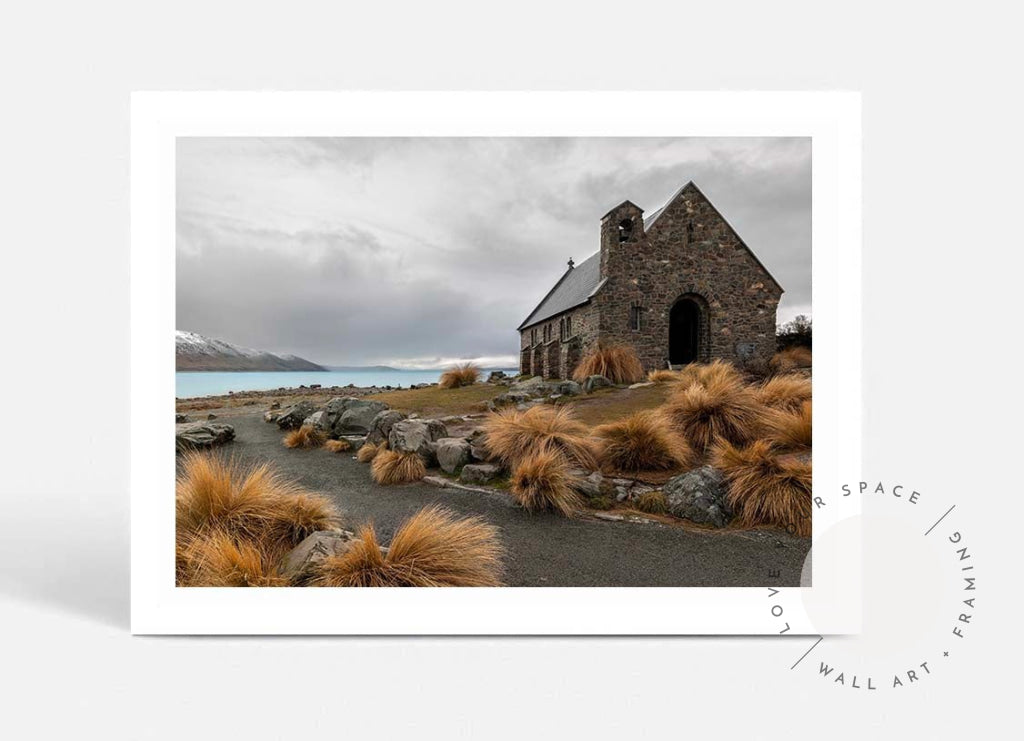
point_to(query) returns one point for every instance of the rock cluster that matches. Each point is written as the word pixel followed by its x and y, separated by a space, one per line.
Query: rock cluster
pixel 202 435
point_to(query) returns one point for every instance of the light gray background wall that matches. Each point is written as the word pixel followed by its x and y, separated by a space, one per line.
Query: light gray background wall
pixel 941 160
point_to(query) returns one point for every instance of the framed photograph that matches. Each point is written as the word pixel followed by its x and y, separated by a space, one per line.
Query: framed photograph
pixel 495 363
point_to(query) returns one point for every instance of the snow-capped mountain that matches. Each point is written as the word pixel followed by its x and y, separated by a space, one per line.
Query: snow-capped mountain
pixel 193 352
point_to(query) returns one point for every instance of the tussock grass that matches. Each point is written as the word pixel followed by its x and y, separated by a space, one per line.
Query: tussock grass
pixel 721 409
pixel 513 435
pixel 434 548
pixel 465 374
pixel 790 430
pixel 255 508
pixel 766 487
pixel 392 467
pixel 790 359
pixel 219 560
pixel 541 481
pixel 617 363
pixel 651 502
pixel 337 446
pixel 644 441
pixel 306 436
pixel 369 451
pixel 787 392
pixel 664 375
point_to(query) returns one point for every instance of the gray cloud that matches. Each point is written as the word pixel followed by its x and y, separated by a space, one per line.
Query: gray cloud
pixel 403 250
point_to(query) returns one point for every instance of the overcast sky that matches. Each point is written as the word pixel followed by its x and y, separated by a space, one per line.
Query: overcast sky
pixel 418 252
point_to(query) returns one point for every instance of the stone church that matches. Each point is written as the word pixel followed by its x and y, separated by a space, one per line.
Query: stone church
pixel 679 286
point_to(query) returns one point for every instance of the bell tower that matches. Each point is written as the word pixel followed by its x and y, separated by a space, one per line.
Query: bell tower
pixel 622 229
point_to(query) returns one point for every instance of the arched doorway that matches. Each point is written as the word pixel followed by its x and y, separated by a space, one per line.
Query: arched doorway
pixel 685 331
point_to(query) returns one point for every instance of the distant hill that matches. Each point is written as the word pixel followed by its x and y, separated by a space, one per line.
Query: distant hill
pixel 376 368
pixel 193 352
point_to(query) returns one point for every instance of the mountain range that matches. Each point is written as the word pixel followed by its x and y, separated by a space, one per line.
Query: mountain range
pixel 194 352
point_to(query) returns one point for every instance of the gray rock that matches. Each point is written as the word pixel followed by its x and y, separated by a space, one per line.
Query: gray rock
pixel 479 473
pixel 293 417
pixel 478 446
pixel 497 377
pixel 319 420
pixel 351 414
pixel 202 435
pixel 595 382
pixel 416 435
pixel 179 418
pixel 593 485
pixel 270 416
pixel 275 405
pixel 452 453
pixel 301 563
pixel 535 386
pixel 641 385
pixel 568 388
pixel 211 415
pixel 381 425
pixel 699 495
pixel 511 398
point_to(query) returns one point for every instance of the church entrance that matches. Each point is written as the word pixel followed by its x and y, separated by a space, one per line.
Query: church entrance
pixel 684 332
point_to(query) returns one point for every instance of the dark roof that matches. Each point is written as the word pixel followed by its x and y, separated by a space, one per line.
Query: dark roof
pixel 575 287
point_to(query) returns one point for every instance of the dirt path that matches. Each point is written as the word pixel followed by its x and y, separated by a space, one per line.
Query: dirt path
pixel 544 550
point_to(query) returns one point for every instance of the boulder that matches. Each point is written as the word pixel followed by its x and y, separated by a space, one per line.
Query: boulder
pixel 479 473
pixel 211 415
pixel 532 387
pixel 699 495
pixel 452 453
pixel 359 416
pixel 293 417
pixel 202 435
pixel 595 382
pixel 352 414
pixel 510 398
pixel 567 388
pixel 301 562
pixel 416 435
pixel 179 418
pixel 381 425
pixel 318 420
pixel 275 405
pixel 478 446
pixel 593 485
pixel 270 416
pixel 497 377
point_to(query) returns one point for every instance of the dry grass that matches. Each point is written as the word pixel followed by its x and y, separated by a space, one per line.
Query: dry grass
pixel 786 392
pixel 392 467
pixel 306 436
pixel 617 363
pixel 219 560
pixel 644 441
pixel 791 430
pixel 369 451
pixel 257 510
pixel 541 481
pixel 665 376
pixel 513 435
pixel 766 487
pixel 337 446
pixel 651 502
pixel 723 409
pixel 790 359
pixel 465 374
pixel 434 548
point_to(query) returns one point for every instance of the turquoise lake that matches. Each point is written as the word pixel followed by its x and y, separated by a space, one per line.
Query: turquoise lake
pixel 214 383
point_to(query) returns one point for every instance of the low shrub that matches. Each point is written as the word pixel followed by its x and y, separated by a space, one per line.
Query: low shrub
pixel 617 363
pixel 512 435
pixel 541 481
pixel 651 502
pixel 790 430
pixel 766 487
pixel 786 392
pixel 337 446
pixel 644 441
pixel 465 374
pixel 665 376
pixel 433 548
pixel 391 467
pixel 219 560
pixel 306 436
pixel 721 409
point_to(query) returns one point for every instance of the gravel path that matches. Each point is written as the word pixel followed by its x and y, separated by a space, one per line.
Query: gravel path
pixel 544 549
